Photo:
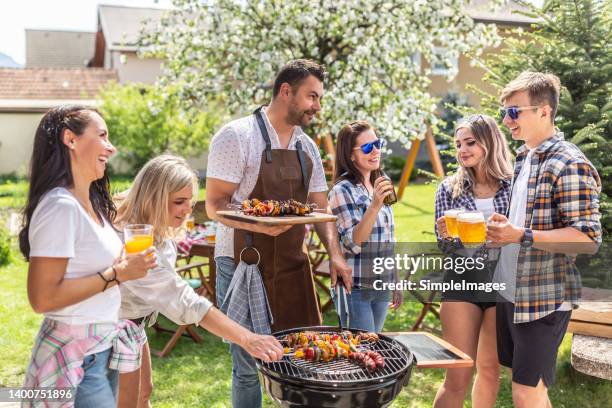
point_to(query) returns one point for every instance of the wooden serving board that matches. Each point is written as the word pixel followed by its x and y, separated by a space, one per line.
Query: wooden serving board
pixel 312 218
pixel 431 351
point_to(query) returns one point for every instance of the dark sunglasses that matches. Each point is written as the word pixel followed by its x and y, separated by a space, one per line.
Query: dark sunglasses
pixel 513 111
pixel 367 148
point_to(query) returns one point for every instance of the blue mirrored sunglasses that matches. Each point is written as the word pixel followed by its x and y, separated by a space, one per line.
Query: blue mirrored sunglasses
pixel 367 148
pixel 513 111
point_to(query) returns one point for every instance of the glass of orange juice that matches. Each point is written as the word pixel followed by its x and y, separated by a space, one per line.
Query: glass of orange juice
pixel 138 237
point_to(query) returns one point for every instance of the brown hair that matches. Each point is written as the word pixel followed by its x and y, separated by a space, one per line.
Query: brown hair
pixel 295 72
pixel 542 89
pixel 346 141
pixel 497 163
pixel 50 165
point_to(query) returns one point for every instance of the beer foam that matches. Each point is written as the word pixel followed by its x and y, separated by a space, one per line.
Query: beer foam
pixel 471 217
pixel 453 213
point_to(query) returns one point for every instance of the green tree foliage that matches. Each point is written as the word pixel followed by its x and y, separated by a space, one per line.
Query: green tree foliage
pixel 572 41
pixel 145 121
pixel 5 247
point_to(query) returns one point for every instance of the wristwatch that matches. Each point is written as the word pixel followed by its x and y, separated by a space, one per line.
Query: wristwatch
pixel 527 240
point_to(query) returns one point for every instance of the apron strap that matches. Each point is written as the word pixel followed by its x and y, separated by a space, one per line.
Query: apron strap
pixel 300 153
pixel 264 133
pixel 248 237
pixel 298 146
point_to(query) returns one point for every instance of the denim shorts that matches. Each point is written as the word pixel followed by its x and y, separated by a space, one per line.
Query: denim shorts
pixel 99 386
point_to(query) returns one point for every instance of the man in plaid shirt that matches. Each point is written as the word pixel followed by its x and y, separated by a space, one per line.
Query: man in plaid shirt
pixel 554 201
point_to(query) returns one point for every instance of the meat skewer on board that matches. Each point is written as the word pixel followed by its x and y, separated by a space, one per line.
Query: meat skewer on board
pixel 272 208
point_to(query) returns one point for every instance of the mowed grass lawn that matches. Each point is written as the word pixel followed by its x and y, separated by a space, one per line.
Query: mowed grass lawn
pixel 200 374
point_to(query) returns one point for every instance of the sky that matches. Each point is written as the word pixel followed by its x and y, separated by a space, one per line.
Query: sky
pixel 78 15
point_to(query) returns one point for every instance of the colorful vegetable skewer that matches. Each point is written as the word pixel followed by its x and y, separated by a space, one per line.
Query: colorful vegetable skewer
pixel 313 346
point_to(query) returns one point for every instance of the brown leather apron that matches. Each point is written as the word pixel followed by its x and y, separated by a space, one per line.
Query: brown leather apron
pixel 284 266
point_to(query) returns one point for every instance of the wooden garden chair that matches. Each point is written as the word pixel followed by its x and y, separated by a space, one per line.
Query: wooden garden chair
pixel 199 212
pixel 319 263
pixel 428 303
pixel 321 274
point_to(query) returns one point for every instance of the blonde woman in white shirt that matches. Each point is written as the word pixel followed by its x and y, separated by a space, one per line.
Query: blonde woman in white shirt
pixel 162 195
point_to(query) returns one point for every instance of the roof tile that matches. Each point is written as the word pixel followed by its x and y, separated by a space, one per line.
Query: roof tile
pixel 53 83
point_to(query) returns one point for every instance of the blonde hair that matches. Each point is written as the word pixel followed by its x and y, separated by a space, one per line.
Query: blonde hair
pixel 542 89
pixel 497 162
pixel 148 199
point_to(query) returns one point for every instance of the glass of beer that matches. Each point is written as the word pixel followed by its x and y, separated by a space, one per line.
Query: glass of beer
pixel 450 218
pixel 190 223
pixel 472 228
pixel 138 237
pixel 211 231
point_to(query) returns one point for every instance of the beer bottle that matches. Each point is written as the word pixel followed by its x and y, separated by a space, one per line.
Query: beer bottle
pixel 391 198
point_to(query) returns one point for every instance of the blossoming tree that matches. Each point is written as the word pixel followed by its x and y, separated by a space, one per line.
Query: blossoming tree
pixel 373 50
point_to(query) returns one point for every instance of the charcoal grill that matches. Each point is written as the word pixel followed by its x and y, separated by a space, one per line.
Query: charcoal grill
pixel 293 382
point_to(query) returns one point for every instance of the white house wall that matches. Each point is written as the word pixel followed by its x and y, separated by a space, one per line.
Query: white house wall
pixel 16 140
pixel 131 68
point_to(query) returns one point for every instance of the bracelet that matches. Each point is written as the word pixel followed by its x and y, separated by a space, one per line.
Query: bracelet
pixel 115 275
pixel 106 281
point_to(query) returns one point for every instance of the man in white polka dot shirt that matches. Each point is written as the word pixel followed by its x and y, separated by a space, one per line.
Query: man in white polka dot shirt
pixel 267 155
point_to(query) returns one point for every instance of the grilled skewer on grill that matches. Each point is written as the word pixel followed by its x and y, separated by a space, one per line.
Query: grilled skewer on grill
pixel 346 336
pixel 313 346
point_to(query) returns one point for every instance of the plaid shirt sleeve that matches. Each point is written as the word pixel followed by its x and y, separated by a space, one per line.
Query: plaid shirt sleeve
pixel 576 193
pixel 444 202
pixel 349 215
